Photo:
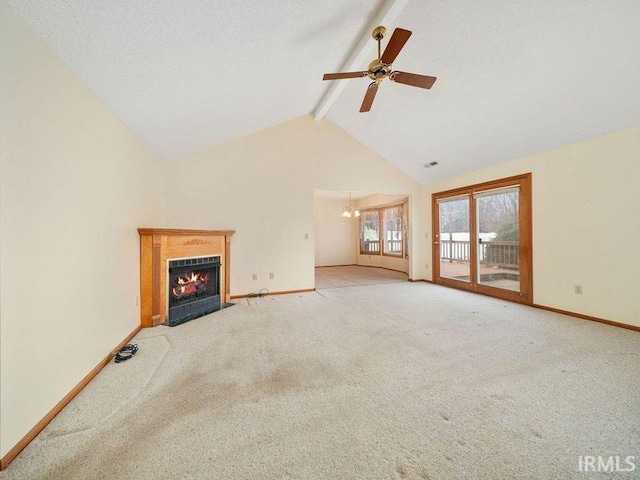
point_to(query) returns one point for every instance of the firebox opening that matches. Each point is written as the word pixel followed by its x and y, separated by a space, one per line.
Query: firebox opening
pixel 194 288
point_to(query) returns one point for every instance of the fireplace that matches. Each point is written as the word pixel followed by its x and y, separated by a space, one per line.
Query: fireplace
pixel 200 295
pixel 193 288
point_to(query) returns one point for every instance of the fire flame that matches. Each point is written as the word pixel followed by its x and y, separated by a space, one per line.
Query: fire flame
pixel 191 283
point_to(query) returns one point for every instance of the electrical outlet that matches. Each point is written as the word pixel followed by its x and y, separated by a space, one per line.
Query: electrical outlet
pixel 137 301
pixel 426 265
pixel 271 276
pixel 577 289
pixel 306 236
pixel 254 276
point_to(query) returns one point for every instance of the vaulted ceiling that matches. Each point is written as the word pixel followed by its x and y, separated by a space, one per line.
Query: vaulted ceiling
pixel 514 78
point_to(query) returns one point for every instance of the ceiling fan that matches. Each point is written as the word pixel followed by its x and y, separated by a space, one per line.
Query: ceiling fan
pixel 380 68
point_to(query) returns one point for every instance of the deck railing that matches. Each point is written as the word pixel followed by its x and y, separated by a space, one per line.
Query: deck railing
pixel 373 246
pixel 394 246
pixel 503 254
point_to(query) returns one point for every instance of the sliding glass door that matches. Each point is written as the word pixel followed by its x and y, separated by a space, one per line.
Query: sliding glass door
pixel 482 239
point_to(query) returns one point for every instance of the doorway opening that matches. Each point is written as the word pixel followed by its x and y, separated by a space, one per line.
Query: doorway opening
pixel 370 247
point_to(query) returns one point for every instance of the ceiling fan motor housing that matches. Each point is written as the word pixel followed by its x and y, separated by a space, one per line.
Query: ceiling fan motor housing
pixel 379 70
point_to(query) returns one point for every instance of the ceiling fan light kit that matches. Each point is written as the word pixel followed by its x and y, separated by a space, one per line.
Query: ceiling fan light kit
pixel 381 68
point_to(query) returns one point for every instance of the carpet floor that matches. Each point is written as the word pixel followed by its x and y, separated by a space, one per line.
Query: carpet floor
pixel 395 381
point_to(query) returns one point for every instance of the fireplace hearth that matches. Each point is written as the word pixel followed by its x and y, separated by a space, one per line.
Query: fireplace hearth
pixel 194 288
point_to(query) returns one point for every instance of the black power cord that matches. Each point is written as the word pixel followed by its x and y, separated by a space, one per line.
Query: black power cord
pixel 126 352
pixel 263 292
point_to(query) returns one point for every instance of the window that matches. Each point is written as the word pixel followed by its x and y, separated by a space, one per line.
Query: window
pixel 382 230
pixel 370 231
pixel 392 223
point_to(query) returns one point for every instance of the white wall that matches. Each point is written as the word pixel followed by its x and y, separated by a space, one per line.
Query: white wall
pixel 74 186
pixel 586 225
pixel 262 186
pixel 384 261
pixel 335 237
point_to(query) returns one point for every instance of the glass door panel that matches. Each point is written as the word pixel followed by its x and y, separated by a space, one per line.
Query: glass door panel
pixel 454 238
pixel 498 234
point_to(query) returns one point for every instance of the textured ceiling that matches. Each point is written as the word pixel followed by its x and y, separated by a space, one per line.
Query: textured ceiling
pixel 185 76
pixel 514 78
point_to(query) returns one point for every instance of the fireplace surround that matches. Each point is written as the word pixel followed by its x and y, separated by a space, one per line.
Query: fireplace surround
pixel 184 274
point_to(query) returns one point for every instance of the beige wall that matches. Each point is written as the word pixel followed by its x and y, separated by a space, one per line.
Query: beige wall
pixel 335 237
pixel 262 186
pixel 74 186
pixel 586 225
pixel 385 261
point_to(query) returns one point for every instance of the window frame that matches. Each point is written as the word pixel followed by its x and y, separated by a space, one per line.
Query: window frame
pixel 383 231
pixel 360 227
pixel 404 207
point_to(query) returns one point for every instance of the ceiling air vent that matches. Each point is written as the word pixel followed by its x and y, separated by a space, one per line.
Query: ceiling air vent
pixel 430 164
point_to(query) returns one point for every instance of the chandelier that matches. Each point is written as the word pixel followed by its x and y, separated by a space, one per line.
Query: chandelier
pixel 349 210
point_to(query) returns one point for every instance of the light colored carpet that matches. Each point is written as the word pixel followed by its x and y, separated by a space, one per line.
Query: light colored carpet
pixel 354 275
pixel 395 381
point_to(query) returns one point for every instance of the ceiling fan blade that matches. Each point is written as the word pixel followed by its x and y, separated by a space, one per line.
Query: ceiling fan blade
pixel 398 39
pixel 339 76
pixel 413 79
pixel 368 97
